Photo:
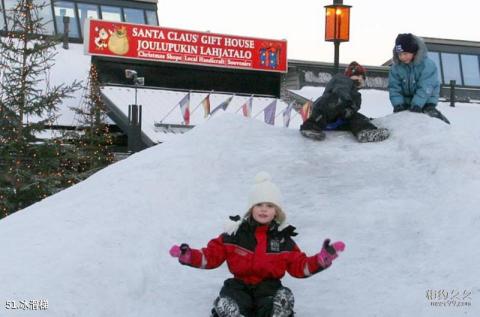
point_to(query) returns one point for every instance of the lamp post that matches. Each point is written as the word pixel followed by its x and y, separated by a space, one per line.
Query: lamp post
pixel 337 26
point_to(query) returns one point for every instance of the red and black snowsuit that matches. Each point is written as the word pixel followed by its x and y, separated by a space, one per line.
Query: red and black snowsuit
pixel 258 257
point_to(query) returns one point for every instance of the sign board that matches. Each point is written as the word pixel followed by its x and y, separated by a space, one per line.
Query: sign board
pixel 145 42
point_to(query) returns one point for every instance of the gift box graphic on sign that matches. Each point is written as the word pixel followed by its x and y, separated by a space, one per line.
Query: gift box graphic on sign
pixel 115 40
pixel 269 55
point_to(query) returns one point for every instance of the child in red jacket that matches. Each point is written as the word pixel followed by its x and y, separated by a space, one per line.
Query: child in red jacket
pixel 259 250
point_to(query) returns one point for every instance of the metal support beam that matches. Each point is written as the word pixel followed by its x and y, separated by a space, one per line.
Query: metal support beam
pixel 452 93
pixel 66 30
pixel 135 143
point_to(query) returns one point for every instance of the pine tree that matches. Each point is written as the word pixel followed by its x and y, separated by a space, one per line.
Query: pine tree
pixel 93 139
pixel 30 168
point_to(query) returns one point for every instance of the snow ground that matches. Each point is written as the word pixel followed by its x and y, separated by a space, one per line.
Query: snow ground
pixel 407 209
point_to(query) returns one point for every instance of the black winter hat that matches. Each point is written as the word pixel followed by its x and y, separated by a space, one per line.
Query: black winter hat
pixel 405 42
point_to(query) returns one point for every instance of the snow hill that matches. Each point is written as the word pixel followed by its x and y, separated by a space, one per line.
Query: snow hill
pixel 407 209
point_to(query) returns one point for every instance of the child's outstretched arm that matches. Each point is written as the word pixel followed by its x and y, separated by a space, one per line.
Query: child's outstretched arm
pixel 302 266
pixel 206 258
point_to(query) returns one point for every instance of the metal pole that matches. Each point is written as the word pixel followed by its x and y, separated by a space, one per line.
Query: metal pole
pixel 336 57
pixel 136 94
pixel 452 93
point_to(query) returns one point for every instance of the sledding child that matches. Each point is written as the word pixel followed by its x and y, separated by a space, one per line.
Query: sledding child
pixel 337 109
pixel 413 78
pixel 258 249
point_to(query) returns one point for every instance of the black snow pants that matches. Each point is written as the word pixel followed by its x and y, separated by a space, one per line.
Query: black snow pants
pixel 253 300
pixel 356 123
pixel 325 113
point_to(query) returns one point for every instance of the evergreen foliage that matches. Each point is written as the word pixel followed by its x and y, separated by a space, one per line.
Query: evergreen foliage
pixel 93 140
pixel 30 168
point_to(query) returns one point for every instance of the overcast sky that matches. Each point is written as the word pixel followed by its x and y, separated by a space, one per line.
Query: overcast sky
pixel 374 23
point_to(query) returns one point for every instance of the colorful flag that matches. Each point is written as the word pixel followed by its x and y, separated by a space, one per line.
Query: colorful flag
pixel 269 112
pixel 287 114
pixel 223 105
pixel 206 105
pixel 185 108
pixel 305 110
pixel 247 108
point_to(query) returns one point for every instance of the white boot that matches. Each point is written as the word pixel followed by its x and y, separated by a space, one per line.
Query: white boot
pixel 226 307
pixel 283 302
pixel 373 135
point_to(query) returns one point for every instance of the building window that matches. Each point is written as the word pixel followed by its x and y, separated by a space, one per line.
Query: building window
pixel 471 70
pixel 451 68
pixel 435 57
pixel 86 11
pixel 134 15
pixel 10 6
pixel 151 17
pixel 62 9
pixel 45 13
pixel 2 18
pixel 111 13
pixel 78 12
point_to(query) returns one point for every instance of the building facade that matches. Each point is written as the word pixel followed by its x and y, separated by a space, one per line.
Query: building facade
pixel 457 61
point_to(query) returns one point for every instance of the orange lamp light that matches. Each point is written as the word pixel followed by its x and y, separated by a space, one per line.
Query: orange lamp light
pixel 337 22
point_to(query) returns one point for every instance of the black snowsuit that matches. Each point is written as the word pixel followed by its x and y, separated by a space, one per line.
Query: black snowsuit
pixel 252 300
pixel 338 108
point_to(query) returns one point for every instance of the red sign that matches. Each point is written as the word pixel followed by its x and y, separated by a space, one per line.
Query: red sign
pixel 161 44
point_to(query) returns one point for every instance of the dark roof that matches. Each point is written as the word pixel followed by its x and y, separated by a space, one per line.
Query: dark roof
pixel 297 62
pixel 432 40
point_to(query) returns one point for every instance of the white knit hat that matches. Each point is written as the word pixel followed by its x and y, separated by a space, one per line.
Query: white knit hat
pixel 264 191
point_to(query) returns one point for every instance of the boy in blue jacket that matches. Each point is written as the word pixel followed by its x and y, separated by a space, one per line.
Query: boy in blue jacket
pixel 413 78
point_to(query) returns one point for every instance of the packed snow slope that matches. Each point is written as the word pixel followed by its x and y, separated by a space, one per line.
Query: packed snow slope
pixel 407 209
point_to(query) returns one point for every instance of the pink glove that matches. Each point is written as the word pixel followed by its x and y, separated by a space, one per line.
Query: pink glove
pixel 182 252
pixel 329 252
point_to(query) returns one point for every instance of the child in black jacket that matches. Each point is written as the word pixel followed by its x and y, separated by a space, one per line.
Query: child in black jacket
pixel 337 109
